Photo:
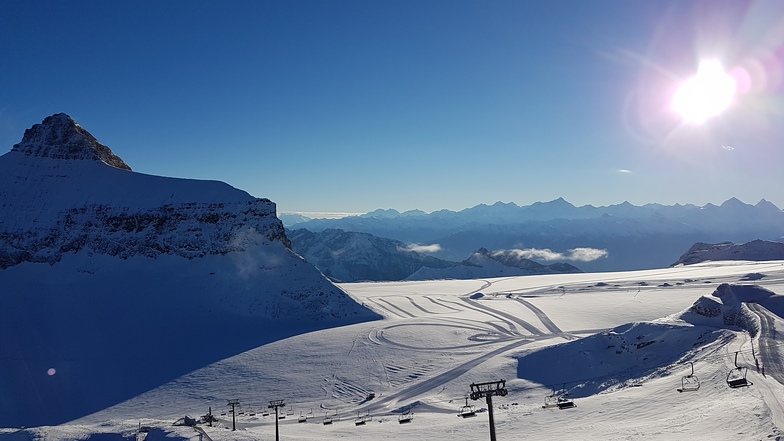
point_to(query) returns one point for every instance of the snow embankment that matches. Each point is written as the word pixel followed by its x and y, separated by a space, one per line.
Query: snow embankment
pixel 632 352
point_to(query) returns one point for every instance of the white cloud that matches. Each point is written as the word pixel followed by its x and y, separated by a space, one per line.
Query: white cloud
pixel 623 170
pixel 434 248
pixel 728 148
pixel 586 254
pixel 533 253
pixel 576 254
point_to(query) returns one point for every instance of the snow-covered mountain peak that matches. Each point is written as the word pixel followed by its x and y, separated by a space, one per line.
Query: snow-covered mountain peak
pixel 52 205
pixel 98 262
pixel 60 137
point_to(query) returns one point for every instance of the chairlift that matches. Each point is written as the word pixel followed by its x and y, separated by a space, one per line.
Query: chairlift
pixel 265 412
pixel 359 420
pixel 327 419
pixel 302 418
pixel 406 416
pixel 690 383
pixel 565 401
pixel 551 400
pixel 737 376
pixel 467 411
pixel 290 411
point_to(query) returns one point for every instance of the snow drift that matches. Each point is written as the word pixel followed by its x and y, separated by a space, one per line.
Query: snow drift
pixel 632 352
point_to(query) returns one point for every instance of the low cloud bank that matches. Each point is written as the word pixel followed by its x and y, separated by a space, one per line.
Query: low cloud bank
pixel 434 248
pixel 576 254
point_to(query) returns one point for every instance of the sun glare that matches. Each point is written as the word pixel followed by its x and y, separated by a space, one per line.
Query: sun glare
pixel 704 95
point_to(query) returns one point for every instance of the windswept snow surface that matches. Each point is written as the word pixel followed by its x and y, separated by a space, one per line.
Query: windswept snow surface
pixel 620 343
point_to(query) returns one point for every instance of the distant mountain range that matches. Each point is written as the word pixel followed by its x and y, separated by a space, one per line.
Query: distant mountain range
pixel 622 237
pixel 354 257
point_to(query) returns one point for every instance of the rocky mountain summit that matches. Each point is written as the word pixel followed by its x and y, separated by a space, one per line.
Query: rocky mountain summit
pixel 60 137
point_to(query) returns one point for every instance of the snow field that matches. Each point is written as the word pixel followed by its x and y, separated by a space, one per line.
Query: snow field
pixel 429 359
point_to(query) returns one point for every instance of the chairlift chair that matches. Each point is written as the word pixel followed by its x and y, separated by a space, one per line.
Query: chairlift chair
pixel 467 411
pixel 405 417
pixel 302 418
pixel 551 400
pixel 564 401
pixel 327 419
pixel 690 383
pixel 359 420
pixel 737 376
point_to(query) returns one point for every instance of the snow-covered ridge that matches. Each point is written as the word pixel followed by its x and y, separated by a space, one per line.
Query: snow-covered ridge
pixel 61 191
pixel 756 250
pixel 351 257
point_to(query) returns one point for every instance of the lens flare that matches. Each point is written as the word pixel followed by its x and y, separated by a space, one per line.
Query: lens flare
pixel 704 95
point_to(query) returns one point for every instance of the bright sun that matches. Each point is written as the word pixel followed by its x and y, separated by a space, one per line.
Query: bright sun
pixel 704 95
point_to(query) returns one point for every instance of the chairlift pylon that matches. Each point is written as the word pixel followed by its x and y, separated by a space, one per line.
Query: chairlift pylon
pixel 690 383
pixel 737 376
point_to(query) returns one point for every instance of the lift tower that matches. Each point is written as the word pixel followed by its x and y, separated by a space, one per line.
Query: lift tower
pixel 275 404
pixel 233 403
pixel 488 390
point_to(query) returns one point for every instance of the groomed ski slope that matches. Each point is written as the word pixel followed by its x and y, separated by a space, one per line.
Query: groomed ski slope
pixel 613 340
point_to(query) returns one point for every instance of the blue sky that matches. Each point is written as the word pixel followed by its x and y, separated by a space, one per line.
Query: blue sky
pixel 349 106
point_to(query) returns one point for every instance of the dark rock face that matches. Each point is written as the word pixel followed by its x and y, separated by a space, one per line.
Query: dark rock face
pixel 60 137
pixel 189 230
